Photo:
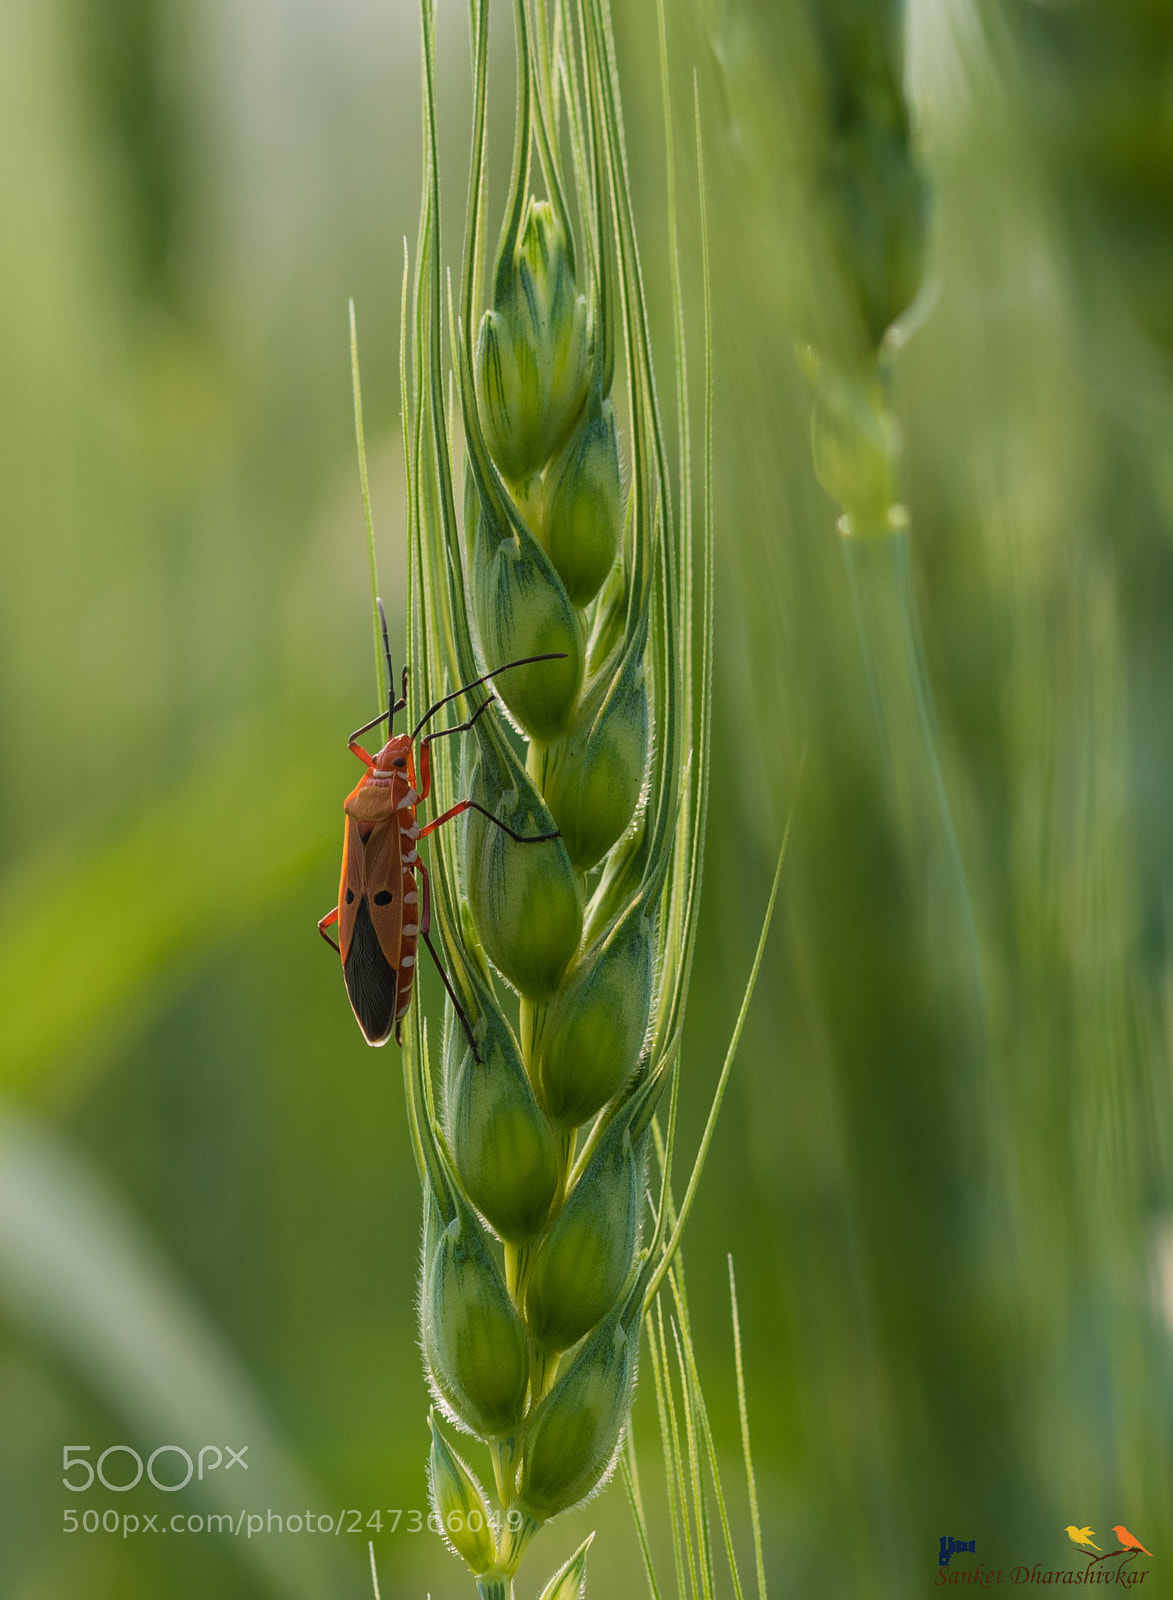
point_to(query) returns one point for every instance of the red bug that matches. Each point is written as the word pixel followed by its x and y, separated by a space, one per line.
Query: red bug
pixel 383 907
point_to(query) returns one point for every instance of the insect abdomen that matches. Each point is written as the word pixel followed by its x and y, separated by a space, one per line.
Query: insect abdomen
pixel 371 982
pixel 411 917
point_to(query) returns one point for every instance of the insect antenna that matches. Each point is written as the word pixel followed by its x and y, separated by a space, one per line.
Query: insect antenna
pixel 393 705
pixel 392 708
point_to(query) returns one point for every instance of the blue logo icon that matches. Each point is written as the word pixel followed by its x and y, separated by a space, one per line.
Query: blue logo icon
pixel 950 1547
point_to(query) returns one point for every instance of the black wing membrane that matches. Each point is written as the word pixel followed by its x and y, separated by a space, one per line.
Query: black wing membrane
pixel 370 982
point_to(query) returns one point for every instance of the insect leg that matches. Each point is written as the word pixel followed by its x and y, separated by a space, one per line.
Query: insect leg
pixel 425 751
pixel 461 727
pixel 471 805
pixel 425 935
pixel 328 921
pixel 558 655
pixel 357 748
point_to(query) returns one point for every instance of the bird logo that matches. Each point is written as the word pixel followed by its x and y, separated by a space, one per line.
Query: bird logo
pixel 1128 1540
pixel 1084 1537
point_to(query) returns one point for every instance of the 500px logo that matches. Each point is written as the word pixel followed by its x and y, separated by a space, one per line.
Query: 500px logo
pixel 75 1460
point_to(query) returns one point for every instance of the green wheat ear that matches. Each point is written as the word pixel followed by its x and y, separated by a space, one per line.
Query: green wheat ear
pixel 541 1260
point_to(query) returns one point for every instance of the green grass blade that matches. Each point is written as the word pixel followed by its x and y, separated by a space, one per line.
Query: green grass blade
pixel 743 1415
pixel 690 1372
pixel 405 406
pixel 700 1512
pixel 665 1147
pixel 628 1472
pixel 567 72
pixel 360 440
pixel 544 124
pixel 691 886
pixel 683 428
pixel 722 1082
pixel 673 1469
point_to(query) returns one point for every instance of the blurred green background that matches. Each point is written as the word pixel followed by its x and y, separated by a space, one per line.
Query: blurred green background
pixel 948 1203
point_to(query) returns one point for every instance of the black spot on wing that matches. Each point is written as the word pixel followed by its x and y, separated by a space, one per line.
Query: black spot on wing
pixel 384 897
pixel 370 982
